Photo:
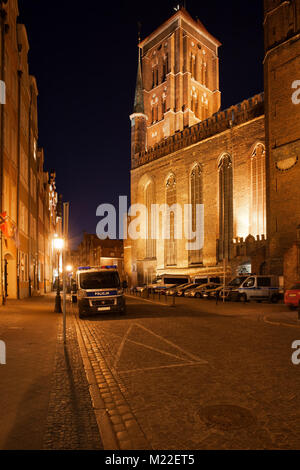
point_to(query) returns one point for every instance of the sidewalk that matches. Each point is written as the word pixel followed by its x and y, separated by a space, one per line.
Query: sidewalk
pixel 44 396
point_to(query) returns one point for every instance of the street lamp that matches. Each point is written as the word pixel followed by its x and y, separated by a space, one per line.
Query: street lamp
pixel 58 245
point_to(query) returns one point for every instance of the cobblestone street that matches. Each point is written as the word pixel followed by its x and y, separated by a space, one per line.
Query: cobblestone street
pixel 44 394
pixel 182 378
pixel 197 376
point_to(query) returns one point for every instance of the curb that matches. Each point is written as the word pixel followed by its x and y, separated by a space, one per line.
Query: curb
pixel 150 301
pixel 103 421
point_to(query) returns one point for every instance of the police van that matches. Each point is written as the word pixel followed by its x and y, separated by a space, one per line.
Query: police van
pixel 99 290
pixel 258 288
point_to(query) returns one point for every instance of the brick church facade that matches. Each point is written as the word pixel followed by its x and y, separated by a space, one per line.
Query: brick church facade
pixel 240 163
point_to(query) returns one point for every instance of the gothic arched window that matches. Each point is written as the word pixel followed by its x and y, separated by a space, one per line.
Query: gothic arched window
pixel 258 191
pixel 196 197
pixel 170 244
pixel 149 200
pixel 225 207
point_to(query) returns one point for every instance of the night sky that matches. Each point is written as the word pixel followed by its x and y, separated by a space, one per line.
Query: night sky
pixel 84 56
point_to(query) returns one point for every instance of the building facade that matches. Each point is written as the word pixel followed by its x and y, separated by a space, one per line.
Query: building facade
pixel 186 151
pixel 28 195
pixel 95 252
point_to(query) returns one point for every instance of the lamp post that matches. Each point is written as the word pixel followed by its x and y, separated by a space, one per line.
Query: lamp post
pixel 58 244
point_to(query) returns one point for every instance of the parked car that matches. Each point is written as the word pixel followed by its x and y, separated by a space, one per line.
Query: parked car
pixel 292 296
pixel 141 288
pixel 163 289
pixel 198 291
pixel 259 288
pixel 173 290
pixel 182 290
pixel 212 293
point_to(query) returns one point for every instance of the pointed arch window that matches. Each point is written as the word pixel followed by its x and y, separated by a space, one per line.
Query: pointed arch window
pixel 149 200
pixel 165 67
pixel 170 245
pixel 258 191
pixel 225 207
pixel 196 197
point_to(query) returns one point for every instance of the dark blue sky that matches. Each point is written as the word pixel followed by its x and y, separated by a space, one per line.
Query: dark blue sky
pixel 84 56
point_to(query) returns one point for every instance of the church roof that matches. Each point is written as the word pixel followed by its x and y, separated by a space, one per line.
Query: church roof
pixel 184 14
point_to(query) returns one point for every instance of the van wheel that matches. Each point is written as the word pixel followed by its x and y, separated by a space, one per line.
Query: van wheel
pixel 80 313
pixel 274 299
pixel 197 295
pixel 243 298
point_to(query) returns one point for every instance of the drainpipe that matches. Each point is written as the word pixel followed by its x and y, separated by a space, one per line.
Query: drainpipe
pixel 29 190
pixel 18 179
pixel 4 26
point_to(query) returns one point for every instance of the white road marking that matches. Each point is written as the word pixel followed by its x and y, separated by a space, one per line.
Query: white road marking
pixel 122 346
pixel 194 359
pixel 162 367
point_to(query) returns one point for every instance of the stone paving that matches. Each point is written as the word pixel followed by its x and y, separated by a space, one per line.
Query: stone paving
pixel 182 379
pixel 71 422
pixel 44 396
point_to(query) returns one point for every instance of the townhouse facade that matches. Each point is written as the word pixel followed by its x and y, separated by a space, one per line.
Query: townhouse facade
pixel 28 196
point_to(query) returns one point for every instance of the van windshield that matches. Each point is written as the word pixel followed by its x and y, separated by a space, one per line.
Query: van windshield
pixel 99 280
pixel 237 281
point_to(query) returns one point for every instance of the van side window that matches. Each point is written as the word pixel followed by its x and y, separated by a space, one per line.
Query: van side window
pixel 250 282
pixel 215 279
pixel 263 281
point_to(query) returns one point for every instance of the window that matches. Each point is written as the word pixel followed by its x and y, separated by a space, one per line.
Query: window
pixel 23 218
pixel 23 268
pixel 258 191
pixel 193 66
pixel 154 77
pixel 263 282
pixel 170 245
pixel 196 197
pixel 225 207
pixel 149 200
pixel 250 282
pixel 32 185
pixel 24 167
pixel 165 67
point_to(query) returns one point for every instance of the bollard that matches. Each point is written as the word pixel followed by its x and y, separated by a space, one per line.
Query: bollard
pixel 166 299
pixel 173 304
pixel 159 296
pixel 299 313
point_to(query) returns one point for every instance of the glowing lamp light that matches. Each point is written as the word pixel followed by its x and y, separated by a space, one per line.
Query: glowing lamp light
pixel 69 268
pixel 58 243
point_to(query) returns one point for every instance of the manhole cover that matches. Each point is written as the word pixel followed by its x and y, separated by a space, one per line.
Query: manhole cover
pixel 226 417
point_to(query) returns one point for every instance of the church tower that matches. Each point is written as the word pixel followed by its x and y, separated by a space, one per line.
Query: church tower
pixel 282 110
pixel 138 118
pixel 178 80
